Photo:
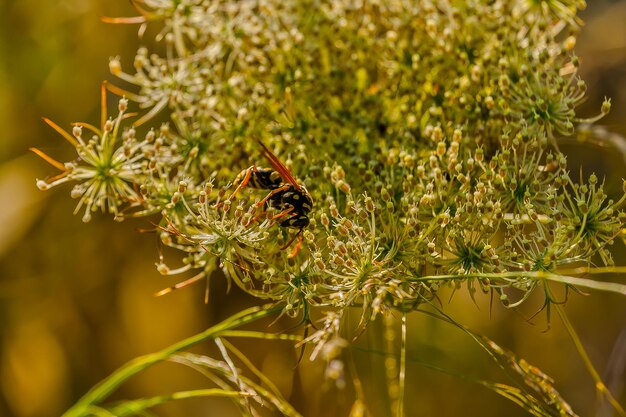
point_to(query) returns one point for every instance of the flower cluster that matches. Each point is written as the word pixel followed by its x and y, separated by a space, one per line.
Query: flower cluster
pixel 425 132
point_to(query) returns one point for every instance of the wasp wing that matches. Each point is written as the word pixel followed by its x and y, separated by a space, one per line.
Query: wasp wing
pixel 278 166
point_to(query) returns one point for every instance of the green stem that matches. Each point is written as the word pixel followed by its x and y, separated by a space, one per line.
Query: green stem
pixel 402 374
pixel 260 335
pixel 102 390
pixel 600 386
pixel 135 407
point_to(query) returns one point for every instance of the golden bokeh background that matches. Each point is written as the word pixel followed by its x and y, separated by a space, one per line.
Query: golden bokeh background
pixel 76 300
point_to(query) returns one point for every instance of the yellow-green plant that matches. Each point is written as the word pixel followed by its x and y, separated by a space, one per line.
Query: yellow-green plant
pixel 426 133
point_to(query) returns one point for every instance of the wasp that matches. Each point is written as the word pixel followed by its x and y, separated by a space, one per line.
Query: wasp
pixel 289 197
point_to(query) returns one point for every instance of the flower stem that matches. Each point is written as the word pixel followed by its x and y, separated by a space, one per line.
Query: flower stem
pixel 102 390
pixel 600 386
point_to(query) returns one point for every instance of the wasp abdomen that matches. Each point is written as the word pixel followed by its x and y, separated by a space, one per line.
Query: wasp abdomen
pixel 297 201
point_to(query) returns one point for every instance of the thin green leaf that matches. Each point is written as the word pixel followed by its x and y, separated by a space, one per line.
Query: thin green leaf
pixel 132 407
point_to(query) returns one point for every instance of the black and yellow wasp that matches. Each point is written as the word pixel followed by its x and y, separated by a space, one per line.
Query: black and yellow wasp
pixel 286 195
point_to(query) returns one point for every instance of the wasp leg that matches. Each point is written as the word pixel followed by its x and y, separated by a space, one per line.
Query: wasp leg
pixel 277 216
pixel 243 183
pixel 272 193
pixel 257 217
pixel 296 249
pixel 284 213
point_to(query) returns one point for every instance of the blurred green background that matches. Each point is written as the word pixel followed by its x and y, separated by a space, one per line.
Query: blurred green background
pixel 76 300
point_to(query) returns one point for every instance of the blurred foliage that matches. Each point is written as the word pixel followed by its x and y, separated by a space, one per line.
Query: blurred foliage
pixel 68 317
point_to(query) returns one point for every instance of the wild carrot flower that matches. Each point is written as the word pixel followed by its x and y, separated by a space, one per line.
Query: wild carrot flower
pixel 108 165
pixel 420 158
pixel 426 134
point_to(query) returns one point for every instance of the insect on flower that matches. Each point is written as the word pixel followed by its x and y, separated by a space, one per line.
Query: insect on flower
pixel 286 195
